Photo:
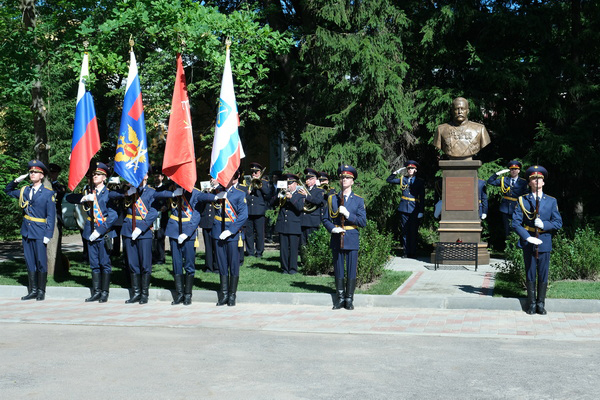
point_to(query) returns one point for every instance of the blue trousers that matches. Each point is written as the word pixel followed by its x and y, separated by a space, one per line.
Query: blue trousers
pixel 98 257
pixel 289 245
pixel 409 223
pixel 36 258
pixel 139 255
pixel 533 266
pixel 347 257
pixel 184 256
pixel 228 256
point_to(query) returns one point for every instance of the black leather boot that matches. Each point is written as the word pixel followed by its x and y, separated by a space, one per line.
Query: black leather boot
pixel 350 286
pixel 187 290
pixel 233 284
pixel 541 297
pixel 338 302
pixel 32 286
pixel 42 279
pixel 105 287
pixel 530 297
pixel 145 288
pixel 135 287
pixel 95 287
pixel 178 299
pixel 223 296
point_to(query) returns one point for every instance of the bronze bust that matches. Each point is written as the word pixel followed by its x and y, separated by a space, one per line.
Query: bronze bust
pixel 461 139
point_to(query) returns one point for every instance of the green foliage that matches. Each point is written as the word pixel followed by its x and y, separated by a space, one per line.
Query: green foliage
pixel 576 258
pixel 513 266
pixel 11 215
pixel 316 255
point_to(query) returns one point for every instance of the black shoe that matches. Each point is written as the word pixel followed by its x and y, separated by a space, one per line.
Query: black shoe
pixel 339 302
pixel 178 299
pixel 187 290
pixel 223 295
pixel 42 279
pixel 350 286
pixel 95 288
pixel 135 288
pixel 145 288
pixel 105 287
pixel 32 287
pixel 541 298
pixel 531 306
pixel 233 284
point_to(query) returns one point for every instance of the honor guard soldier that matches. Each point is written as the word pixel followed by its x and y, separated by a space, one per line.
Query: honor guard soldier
pixel 345 213
pixel 39 215
pixel 483 199
pixel 288 225
pixel 311 212
pixel 511 187
pixel 411 205
pixel 140 214
pixel 231 215
pixel 535 220
pixel 101 215
pixel 258 197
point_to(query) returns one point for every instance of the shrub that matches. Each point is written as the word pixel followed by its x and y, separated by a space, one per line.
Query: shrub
pixel 316 256
pixel 513 266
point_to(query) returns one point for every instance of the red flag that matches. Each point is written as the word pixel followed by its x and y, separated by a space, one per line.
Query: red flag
pixel 179 162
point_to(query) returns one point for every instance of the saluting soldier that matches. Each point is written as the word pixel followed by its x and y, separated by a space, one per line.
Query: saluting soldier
pixel 536 219
pixel 258 200
pixel 345 213
pixel 207 217
pixel 39 215
pixel 311 212
pixel 101 215
pixel 511 188
pixel 412 205
pixel 288 225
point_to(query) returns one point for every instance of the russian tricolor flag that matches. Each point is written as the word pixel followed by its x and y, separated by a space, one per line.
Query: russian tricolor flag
pixel 227 148
pixel 86 139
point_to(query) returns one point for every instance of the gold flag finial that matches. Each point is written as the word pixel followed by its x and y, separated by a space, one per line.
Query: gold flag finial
pixel 228 43
pixel 131 43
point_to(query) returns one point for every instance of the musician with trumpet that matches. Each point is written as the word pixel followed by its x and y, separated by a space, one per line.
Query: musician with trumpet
pixel 259 193
pixel 289 218
pixel 311 212
pixel 327 190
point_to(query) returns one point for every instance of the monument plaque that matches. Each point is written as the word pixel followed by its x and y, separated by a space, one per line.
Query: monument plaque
pixel 459 194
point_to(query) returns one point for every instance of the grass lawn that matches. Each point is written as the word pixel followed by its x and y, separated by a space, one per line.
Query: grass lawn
pixel 556 290
pixel 256 275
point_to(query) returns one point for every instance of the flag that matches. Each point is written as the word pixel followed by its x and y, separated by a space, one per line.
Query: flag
pixel 86 139
pixel 179 162
pixel 131 160
pixel 227 147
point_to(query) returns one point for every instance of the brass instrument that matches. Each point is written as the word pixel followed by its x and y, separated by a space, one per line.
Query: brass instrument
pixel 310 207
pixel 256 183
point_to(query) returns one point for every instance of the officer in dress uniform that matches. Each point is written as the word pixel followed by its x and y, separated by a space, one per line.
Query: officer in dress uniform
pixel 101 215
pixel 483 199
pixel 511 188
pixel 39 215
pixel 231 215
pixel 535 220
pixel 258 199
pixel 289 219
pixel 311 212
pixel 345 213
pixel 411 205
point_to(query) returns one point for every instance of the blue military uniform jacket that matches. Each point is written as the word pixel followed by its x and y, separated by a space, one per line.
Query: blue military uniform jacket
pixel 524 216
pixel 108 209
pixel 483 198
pixel 258 199
pixel 237 199
pixel 413 194
pixel 289 219
pixel 313 219
pixel 510 194
pixel 357 219
pixel 146 194
pixel 39 213
pixel 190 216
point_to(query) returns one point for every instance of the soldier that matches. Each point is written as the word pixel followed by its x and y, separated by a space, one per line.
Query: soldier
pixel 288 224
pixel 207 216
pixel 411 205
pixel 101 215
pixel 535 220
pixel 39 214
pixel 483 199
pixel 311 212
pixel 344 215
pixel 231 215
pixel 59 192
pixel 258 200
pixel 240 183
pixel 511 189
pixel 160 224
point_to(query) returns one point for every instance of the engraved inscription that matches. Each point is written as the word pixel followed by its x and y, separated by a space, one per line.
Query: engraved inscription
pixel 460 194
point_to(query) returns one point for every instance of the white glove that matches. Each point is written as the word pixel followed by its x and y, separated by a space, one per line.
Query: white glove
pixel 534 240
pixel 221 195
pixel 344 211
pixel 182 238
pixel 136 232
pixel 483 216
pixel 502 172
pixel 87 197
pixel 396 172
pixel 178 192
pixel 46 240
pixel 420 215
pixel 95 235
pixel 131 191
pixel 224 235
pixel 538 223
pixel 22 177
pixel 337 229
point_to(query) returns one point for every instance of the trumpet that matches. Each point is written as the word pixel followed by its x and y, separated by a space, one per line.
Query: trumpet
pixel 256 183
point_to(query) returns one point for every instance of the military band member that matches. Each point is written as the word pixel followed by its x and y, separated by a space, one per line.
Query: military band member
pixel 288 224
pixel 311 212
pixel 39 215
pixel 327 190
pixel 483 199
pixel 259 194
pixel 412 205
pixel 344 215
pixel 536 219
pixel 207 217
pixel 511 188
pixel 231 215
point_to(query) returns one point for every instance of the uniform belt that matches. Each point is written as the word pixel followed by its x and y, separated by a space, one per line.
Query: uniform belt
pixel 347 227
pixel 532 229
pixel 510 198
pixel 34 219
pixel 409 198
pixel 221 219
pixel 184 219
pixel 139 218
